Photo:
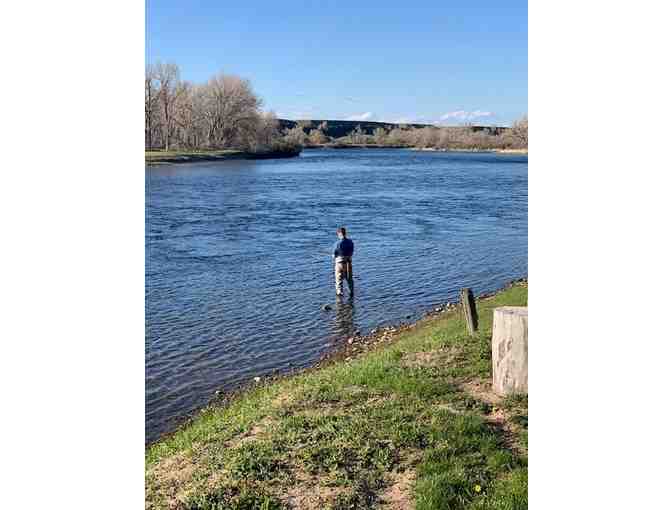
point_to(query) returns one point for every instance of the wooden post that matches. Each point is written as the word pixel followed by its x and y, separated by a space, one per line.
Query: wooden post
pixel 469 308
pixel 509 350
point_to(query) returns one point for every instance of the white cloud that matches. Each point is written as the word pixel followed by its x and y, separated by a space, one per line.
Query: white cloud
pixel 361 116
pixel 460 114
pixel 405 119
pixel 464 115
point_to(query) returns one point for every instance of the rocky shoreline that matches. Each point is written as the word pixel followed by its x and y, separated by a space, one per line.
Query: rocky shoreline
pixel 345 351
pixel 383 335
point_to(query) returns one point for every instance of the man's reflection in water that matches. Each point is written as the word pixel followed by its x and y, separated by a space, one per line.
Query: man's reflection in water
pixel 344 318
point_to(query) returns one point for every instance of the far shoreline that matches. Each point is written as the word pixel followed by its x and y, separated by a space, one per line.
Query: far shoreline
pixel 156 158
pixel 411 148
pixel 499 151
pixel 175 157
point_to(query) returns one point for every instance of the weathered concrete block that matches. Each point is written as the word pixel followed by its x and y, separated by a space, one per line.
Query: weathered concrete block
pixel 509 350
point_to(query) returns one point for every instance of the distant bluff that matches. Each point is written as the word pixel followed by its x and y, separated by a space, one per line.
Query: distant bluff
pixel 340 128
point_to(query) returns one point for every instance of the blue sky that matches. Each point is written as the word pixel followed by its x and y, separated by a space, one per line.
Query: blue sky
pixel 414 61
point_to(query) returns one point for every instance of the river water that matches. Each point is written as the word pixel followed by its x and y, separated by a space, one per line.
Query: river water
pixel 238 257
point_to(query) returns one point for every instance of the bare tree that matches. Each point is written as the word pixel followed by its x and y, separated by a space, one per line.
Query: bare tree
pixel 445 139
pixel 295 136
pixel 357 136
pixel 317 136
pixel 231 111
pixel 426 137
pixel 519 131
pixel 454 137
pixel 397 136
pixel 380 135
pixel 222 113
pixel 150 104
pixel 168 77
pixel 268 131
pixel 187 115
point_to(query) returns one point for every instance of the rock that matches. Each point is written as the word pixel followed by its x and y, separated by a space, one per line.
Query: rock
pixel 350 340
pixel 326 308
pixel 257 379
pixel 409 316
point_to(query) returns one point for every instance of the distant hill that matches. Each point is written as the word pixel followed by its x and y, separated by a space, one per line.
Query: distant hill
pixel 339 128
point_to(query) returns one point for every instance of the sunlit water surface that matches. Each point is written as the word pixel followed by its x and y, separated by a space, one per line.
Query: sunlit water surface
pixel 239 257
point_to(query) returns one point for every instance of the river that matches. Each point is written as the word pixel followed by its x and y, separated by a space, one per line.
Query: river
pixel 238 257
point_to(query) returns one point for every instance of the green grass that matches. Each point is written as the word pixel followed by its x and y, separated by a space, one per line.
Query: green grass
pixel 344 435
pixel 161 157
pixel 189 153
pixel 185 156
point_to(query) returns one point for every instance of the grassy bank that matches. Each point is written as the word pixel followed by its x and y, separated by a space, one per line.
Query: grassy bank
pixel 166 157
pixel 403 420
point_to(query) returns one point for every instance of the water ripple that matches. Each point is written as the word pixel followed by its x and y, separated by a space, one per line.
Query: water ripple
pixel 238 257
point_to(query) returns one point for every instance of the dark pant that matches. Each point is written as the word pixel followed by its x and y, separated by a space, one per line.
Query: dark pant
pixel 343 270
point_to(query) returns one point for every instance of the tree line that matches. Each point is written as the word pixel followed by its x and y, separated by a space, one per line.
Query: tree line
pixel 225 113
pixel 429 137
pixel 462 137
pixel 222 113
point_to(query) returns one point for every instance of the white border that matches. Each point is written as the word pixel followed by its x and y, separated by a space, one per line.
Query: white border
pixel 72 203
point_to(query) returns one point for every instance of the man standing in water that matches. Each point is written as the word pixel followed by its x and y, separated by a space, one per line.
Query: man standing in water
pixel 343 250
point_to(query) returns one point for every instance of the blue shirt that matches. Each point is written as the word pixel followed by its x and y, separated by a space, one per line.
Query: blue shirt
pixel 344 248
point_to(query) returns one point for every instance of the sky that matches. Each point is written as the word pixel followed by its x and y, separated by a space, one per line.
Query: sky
pixel 443 62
